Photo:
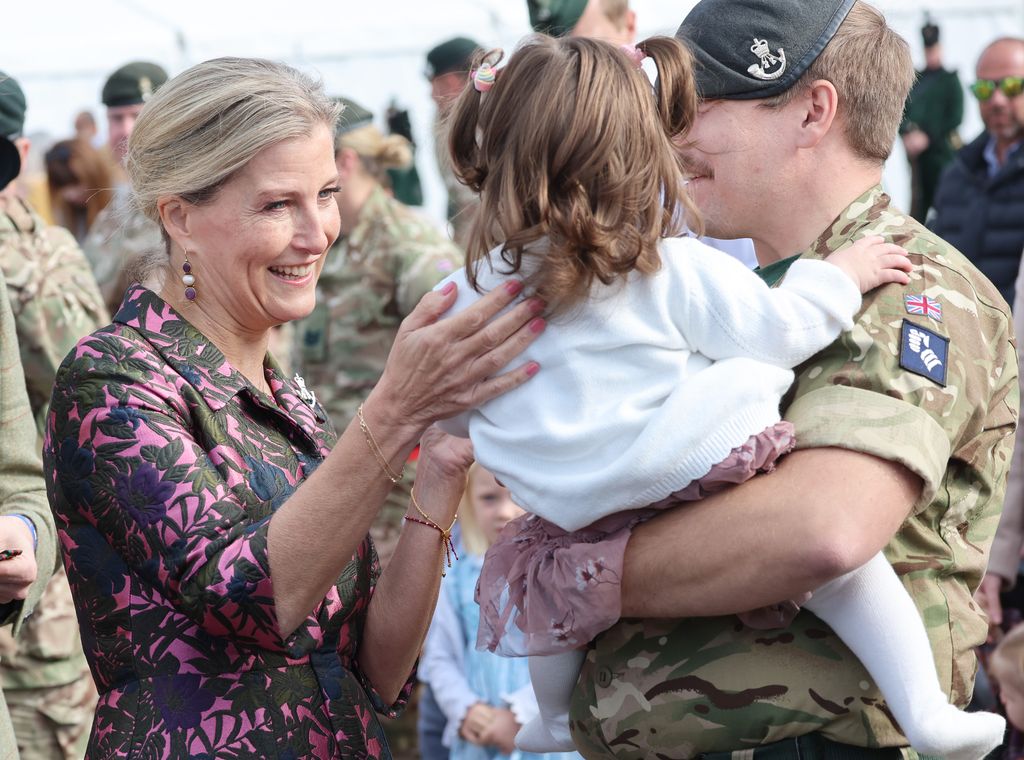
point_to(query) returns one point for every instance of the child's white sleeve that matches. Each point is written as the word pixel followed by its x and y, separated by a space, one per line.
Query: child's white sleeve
pixel 442 665
pixel 725 310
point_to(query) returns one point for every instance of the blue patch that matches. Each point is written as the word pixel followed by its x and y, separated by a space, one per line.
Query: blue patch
pixel 924 352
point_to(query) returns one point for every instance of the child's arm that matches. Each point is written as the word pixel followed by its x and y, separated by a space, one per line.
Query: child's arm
pixel 725 310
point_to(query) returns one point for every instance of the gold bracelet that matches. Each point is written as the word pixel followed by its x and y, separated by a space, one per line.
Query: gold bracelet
pixel 375 449
pixel 447 544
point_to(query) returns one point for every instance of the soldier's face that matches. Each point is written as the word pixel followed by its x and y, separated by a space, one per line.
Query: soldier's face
pixel 595 24
pixel 258 248
pixel 120 123
pixel 1003 116
pixel 733 162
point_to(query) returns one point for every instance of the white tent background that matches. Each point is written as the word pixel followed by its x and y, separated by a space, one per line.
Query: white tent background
pixel 62 50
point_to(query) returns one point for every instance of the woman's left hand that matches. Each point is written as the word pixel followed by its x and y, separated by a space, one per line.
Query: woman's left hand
pixel 441 474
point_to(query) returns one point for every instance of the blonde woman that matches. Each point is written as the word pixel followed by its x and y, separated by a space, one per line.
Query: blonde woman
pixel 212 523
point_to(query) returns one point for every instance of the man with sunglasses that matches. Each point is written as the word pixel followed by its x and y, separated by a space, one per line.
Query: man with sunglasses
pixel 979 205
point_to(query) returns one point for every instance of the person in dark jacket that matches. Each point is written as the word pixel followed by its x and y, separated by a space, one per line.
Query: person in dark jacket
pixel 979 204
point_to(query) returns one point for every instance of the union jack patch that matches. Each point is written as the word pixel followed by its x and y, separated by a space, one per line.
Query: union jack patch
pixel 924 306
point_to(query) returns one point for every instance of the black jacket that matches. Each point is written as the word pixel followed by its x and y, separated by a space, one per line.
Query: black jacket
pixel 983 217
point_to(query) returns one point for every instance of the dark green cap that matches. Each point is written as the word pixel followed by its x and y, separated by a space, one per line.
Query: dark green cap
pixel 555 17
pixel 749 49
pixel 354 116
pixel 12 107
pixel 452 55
pixel 132 84
pixel 929 34
pixel 12 121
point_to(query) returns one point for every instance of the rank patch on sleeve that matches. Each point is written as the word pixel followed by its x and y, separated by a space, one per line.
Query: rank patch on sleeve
pixel 924 353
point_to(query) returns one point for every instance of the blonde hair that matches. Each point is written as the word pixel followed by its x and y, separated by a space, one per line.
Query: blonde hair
pixel 1007 661
pixel 571 146
pixel 376 152
pixel 207 123
pixel 471 534
pixel 871 68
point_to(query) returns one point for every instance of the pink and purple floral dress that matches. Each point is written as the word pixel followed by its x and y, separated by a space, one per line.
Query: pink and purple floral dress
pixel 164 466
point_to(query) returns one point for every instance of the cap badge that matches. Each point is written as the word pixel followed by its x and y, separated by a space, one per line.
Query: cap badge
pixel 145 88
pixel 769 61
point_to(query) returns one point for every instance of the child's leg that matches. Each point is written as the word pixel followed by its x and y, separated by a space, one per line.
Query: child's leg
pixel 871 611
pixel 554 677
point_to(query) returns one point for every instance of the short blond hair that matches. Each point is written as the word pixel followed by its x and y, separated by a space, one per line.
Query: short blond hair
pixel 377 152
pixel 1007 661
pixel 871 68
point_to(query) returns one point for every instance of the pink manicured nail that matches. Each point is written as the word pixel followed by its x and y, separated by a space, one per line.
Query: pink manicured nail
pixel 513 287
pixel 537 325
pixel 448 288
pixel 532 369
pixel 537 305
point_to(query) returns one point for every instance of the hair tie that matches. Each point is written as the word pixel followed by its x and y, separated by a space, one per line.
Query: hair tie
pixel 635 54
pixel 483 78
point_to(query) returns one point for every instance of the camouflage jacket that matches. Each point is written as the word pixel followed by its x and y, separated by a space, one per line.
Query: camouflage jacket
pixel 372 279
pixel 119 236
pixel 927 378
pixel 462 201
pixel 55 302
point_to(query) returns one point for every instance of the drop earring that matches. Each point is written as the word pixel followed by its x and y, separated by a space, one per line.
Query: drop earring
pixel 188 279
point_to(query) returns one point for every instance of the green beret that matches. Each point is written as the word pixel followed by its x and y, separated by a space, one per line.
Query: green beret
pixel 555 17
pixel 353 116
pixel 12 107
pixel 132 84
pixel 749 49
pixel 452 55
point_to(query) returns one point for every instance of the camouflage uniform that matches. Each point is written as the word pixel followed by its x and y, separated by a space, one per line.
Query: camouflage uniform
pixel 372 279
pixel 117 239
pixel 462 201
pixel 679 688
pixel 55 301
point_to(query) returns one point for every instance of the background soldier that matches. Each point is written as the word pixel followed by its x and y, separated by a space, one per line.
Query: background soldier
pixel 384 261
pixel 54 302
pixel 935 108
pixel 448 72
pixel 610 20
pixel 121 234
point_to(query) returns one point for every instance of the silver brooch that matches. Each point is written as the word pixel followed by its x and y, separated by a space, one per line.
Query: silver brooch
pixel 305 394
pixel 771 66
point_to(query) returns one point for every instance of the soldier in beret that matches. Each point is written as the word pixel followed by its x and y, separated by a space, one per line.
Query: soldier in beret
pixel 53 300
pixel 120 235
pixel 447 71
pixel 610 20
pixel 904 425
pixel 934 110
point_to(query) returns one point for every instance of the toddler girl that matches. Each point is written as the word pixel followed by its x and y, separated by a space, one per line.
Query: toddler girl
pixel 662 370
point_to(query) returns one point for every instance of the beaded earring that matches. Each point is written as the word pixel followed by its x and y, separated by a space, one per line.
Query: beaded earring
pixel 188 279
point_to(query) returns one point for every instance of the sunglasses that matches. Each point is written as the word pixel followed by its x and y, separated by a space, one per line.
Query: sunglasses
pixel 984 89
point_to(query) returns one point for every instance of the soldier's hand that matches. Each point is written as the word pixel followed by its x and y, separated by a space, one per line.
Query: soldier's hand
pixel 987 597
pixel 915 143
pixel 18 574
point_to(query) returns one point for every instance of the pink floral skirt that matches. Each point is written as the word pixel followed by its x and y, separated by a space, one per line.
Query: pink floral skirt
pixel 544 590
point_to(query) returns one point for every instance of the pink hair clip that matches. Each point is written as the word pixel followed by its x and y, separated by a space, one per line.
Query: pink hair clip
pixel 635 54
pixel 483 78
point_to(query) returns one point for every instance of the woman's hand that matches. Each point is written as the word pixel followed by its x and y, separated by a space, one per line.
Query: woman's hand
pixel 441 474
pixel 439 368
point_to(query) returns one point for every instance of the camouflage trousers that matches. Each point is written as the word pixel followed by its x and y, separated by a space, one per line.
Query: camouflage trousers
pixel 53 723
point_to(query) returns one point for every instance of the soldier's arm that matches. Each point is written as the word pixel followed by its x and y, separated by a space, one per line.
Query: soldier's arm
pixel 822 513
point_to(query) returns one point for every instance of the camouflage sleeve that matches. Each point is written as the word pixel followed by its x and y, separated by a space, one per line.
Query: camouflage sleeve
pixel 56 302
pixel 22 488
pixel 421 266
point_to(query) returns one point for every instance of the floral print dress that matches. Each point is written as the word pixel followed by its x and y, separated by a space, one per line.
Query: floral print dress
pixel 164 466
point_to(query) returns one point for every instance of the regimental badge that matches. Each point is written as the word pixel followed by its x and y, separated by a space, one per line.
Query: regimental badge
pixel 771 66
pixel 305 394
pixel 924 352
pixel 145 88
pixel 924 306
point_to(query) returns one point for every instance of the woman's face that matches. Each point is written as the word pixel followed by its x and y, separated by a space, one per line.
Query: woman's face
pixel 492 505
pixel 257 249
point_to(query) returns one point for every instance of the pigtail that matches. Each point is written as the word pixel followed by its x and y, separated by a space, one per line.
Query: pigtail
pixel 675 88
